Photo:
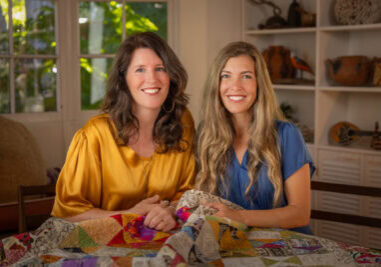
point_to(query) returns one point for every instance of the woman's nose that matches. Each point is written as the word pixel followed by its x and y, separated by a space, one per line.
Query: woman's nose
pixel 236 83
pixel 151 75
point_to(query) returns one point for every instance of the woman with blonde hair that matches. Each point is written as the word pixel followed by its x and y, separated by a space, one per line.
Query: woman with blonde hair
pixel 246 152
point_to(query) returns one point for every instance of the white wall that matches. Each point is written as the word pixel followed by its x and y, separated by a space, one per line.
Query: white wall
pixel 205 26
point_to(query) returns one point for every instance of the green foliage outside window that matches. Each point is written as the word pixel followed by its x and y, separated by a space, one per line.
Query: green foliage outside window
pixel 35 35
pixel 140 17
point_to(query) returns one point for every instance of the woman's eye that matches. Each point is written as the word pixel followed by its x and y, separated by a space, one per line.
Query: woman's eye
pixel 160 69
pixel 246 76
pixel 139 70
pixel 224 76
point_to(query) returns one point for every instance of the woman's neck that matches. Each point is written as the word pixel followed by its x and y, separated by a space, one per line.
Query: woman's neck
pixel 144 135
pixel 241 123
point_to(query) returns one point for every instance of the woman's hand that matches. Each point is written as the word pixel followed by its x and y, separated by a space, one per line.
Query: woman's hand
pixel 161 218
pixel 144 206
pixel 223 211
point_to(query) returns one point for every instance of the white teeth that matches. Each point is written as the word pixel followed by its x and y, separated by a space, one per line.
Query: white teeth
pixel 236 98
pixel 151 91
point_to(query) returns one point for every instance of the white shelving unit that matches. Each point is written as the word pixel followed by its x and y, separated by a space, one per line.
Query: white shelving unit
pixel 324 104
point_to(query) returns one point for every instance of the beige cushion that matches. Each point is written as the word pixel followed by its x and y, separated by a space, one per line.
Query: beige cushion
pixel 20 160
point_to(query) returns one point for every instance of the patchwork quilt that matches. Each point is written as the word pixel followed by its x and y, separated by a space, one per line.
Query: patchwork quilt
pixel 123 240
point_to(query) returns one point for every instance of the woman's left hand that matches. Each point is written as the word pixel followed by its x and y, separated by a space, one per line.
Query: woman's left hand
pixel 160 218
pixel 223 210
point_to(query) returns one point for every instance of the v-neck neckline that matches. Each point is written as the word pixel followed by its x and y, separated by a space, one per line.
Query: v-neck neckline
pixel 243 162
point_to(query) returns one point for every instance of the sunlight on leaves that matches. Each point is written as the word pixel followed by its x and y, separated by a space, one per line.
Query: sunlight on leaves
pixel 85 65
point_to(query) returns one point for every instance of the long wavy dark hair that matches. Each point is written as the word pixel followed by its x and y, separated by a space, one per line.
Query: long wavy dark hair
pixel 118 102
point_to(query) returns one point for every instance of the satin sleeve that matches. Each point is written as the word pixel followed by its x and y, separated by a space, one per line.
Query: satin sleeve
pixel 79 184
pixel 187 178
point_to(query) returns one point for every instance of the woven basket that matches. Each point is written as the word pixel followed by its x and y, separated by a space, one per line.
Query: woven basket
pixel 21 161
pixel 351 12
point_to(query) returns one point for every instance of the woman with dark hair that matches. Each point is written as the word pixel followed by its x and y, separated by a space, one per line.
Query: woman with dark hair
pixel 246 152
pixel 136 157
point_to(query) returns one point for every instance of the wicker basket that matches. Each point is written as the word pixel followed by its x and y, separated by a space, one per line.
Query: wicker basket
pixel 21 161
pixel 351 12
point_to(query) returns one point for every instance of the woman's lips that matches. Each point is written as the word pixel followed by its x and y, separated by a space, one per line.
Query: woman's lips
pixel 151 91
pixel 236 98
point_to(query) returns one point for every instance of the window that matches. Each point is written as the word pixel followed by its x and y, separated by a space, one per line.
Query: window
pixel 30 38
pixel 28 69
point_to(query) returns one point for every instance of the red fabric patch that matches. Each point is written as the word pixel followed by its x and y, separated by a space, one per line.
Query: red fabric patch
pixel 117 239
pixel 118 218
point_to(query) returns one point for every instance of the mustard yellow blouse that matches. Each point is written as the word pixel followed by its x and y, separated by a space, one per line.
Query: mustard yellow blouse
pixel 99 173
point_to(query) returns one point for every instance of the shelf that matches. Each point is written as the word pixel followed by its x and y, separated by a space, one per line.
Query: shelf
pixel 281 31
pixel 351 89
pixel 294 87
pixel 350 149
pixel 351 27
pixel 322 104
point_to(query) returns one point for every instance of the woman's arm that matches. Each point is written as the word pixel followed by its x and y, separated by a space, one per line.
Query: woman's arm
pixel 92 214
pixel 142 208
pixel 295 214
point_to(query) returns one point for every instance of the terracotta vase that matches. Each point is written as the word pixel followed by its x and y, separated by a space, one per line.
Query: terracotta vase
pixel 349 70
pixel 278 63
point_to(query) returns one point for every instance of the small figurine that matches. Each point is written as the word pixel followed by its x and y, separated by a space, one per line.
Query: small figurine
pixel 300 65
pixel 294 17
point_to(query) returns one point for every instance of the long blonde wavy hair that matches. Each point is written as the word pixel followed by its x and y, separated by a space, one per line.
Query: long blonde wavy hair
pixel 216 132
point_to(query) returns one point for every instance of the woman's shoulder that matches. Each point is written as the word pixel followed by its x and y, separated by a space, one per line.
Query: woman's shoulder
pixel 96 122
pixel 285 127
pixel 187 125
pixel 290 136
pixel 98 126
pixel 187 118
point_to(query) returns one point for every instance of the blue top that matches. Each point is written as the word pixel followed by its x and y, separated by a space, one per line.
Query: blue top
pixel 294 155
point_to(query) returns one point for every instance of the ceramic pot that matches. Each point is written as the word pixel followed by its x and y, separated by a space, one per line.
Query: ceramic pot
pixel 349 70
pixel 377 71
pixel 278 63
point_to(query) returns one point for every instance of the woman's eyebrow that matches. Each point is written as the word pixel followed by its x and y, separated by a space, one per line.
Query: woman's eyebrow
pixel 142 65
pixel 243 72
pixel 137 65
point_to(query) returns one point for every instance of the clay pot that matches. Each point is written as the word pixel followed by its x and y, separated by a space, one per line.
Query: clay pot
pixel 278 63
pixel 349 70
pixel 377 71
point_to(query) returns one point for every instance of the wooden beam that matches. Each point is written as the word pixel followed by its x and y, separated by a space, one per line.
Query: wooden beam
pixel 346 189
pixel 346 218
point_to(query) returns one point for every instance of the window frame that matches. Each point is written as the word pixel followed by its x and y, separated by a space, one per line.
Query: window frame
pixel 12 56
